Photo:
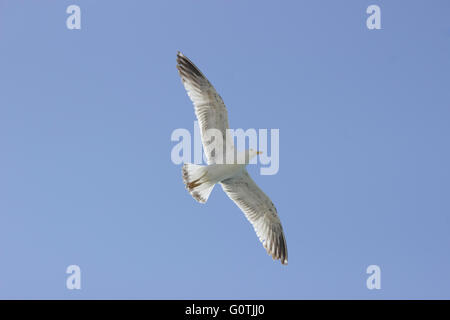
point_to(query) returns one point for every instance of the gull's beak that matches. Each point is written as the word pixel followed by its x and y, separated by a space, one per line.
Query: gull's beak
pixel 259 152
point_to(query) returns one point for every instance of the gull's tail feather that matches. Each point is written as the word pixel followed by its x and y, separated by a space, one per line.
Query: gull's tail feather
pixel 195 177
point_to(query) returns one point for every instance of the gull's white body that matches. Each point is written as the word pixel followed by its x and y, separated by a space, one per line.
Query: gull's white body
pixel 234 178
pixel 220 172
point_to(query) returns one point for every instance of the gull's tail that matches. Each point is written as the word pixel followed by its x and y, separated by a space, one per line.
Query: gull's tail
pixel 195 177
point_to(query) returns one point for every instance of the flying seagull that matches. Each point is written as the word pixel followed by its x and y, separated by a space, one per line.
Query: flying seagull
pixel 234 178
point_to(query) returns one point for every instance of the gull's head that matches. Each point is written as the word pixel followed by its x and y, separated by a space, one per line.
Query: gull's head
pixel 244 157
pixel 253 153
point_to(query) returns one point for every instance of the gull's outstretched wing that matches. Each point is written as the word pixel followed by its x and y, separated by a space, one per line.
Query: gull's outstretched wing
pixel 209 107
pixel 260 211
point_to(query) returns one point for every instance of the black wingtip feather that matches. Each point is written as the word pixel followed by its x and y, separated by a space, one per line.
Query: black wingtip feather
pixel 187 66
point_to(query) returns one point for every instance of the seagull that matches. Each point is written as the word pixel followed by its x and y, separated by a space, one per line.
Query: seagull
pixel 233 177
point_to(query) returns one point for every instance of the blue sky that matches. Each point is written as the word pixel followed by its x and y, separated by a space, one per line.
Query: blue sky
pixel 86 176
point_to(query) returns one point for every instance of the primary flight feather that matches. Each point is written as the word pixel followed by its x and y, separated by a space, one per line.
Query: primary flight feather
pixel 234 178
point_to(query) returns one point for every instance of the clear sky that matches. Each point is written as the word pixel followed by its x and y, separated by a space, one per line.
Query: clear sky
pixel 86 176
